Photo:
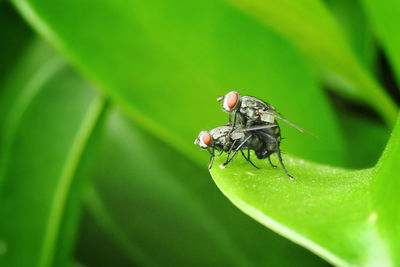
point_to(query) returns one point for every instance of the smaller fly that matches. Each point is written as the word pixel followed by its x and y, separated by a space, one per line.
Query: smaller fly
pixel 249 111
pixel 263 139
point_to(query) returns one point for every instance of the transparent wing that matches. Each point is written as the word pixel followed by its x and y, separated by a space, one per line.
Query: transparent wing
pixel 290 123
pixel 258 127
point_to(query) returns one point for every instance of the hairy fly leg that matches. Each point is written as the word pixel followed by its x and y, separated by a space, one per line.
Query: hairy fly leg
pixel 212 156
pixel 270 162
pixel 234 120
pixel 236 150
pixel 248 158
pixel 278 151
pixel 230 119
pixel 267 154
pixel 230 149
pixel 281 162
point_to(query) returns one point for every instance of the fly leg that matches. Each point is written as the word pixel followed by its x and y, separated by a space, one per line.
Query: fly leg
pixel 278 151
pixel 236 150
pixel 267 155
pixel 229 118
pixel 212 156
pixel 270 162
pixel 248 158
pixel 234 122
pixel 230 149
pixel 281 161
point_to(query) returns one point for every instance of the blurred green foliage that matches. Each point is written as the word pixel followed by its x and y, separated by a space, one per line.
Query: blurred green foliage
pixel 15 35
pixel 97 162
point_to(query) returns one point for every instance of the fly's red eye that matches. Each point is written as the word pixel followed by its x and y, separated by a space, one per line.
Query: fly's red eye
pixel 231 100
pixel 206 137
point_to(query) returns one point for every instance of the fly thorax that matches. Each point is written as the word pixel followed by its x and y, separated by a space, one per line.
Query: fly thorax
pixel 266 117
pixel 237 135
pixel 250 108
pixel 247 111
pixel 219 135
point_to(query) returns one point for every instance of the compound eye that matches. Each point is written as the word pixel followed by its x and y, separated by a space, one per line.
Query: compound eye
pixel 231 100
pixel 206 138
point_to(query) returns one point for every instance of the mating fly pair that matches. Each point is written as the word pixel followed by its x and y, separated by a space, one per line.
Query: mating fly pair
pixel 254 127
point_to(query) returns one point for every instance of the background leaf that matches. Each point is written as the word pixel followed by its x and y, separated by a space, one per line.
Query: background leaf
pixel 310 26
pixel 37 53
pixel 385 17
pixel 14 34
pixel 356 28
pixel 197 51
pixel 359 133
pixel 56 114
pixel 105 252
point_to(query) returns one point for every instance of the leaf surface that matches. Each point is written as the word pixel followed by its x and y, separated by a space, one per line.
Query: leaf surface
pixel 348 217
pixel 324 209
pixel 385 197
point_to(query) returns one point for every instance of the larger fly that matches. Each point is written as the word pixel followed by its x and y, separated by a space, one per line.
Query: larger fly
pixel 249 111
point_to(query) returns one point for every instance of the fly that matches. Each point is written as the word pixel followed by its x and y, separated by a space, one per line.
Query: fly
pixel 264 140
pixel 249 111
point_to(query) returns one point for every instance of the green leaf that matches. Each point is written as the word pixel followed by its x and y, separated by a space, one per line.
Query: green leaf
pixel 37 53
pixel 356 28
pixel 106 252
pixel 163 210
pixel 324 209
pixel 310 26
pixel 385 197
pixel 385 17
pixel 359 132
pixel 171 60
pixel 347 217
pixel 48 140
pixel 14 34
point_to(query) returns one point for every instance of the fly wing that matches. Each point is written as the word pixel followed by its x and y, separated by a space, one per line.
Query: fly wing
pixel 290 123
pixel 258 127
